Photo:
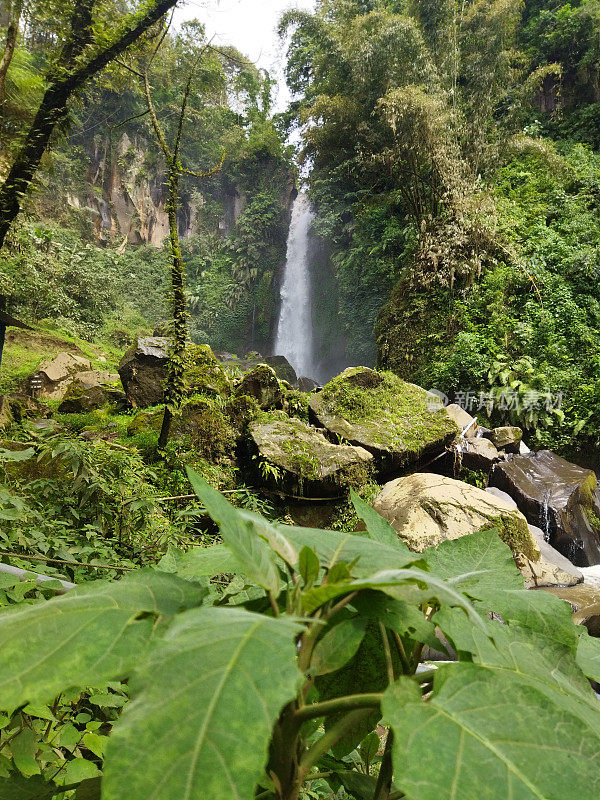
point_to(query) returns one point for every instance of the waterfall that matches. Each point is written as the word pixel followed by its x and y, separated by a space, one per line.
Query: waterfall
pixel 294 327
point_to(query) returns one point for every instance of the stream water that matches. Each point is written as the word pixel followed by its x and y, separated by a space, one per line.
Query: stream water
pixel 294 338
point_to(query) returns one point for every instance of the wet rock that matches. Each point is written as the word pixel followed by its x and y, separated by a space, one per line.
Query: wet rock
pixel 507 438
pixel 427 509
pixel 56 373
pixel 261 383
pixel 307 384
pixel 552 568
pixel 478 454
pixel 297 459
pixel 464 420
pixel 559 497
pixel 143 370
pixel 394 420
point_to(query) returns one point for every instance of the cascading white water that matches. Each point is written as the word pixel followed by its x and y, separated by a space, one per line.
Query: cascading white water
pixel 294 327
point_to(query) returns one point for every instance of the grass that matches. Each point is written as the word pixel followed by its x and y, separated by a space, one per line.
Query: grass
pixel 24 351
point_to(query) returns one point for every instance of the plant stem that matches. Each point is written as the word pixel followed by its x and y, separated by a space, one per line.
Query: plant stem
pixel 402 655
pixel 388 653
pixel 274 605
pixel 384 781
pixel 328 707
pixel 342 604
pixel 331 738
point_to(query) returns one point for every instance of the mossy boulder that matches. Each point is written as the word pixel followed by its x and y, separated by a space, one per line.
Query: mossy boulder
pixel 79 400
pixel 208 429
pixel 291 456
pixel 283 368
pixel 400 424
pixel 427 509
pixel 204 374
pixel 262 384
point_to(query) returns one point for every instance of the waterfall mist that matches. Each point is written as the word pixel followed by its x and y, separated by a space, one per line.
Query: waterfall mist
pixel 294 338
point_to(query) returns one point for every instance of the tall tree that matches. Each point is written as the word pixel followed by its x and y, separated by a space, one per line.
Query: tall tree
pixel 86 50
pixel 175 384
pixel 15 10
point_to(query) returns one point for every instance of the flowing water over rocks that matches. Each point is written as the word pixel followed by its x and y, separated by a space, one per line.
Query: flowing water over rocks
pixel 560 497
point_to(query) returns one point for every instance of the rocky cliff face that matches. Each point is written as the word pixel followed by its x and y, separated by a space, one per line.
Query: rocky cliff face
pixel 125 192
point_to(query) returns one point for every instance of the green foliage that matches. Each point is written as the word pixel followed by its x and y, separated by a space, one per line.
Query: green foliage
pixel 89 503
pixel 322 651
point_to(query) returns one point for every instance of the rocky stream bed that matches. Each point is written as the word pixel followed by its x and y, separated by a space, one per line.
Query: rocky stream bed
pixel 309 445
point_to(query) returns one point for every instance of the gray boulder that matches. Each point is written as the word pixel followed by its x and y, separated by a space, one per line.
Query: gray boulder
pixel 143 370
pixel 427 509
pixel 56 373
pixel 293 457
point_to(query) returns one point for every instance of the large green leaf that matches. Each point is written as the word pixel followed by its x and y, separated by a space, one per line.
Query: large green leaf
pixel 19 788
pixel 367 671
pixel 337 646
pixel 487 734
pixel 95 632
pixel 475 563
pixel 588 655
pixel 332 547
pixel 240 530
pixel 378 528
pixel 403 618
pixel 398 583
pixel 482 566
pixel 204 707
pixel 201 562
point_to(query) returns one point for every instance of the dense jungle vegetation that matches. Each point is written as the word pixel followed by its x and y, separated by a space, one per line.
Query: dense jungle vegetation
pixel 459 185
pixel 200 629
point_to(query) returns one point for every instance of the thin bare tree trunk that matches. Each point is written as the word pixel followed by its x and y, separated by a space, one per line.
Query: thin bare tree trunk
pixel 11 43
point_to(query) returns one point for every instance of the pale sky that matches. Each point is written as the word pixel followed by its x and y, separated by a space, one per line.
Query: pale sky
pixel 249 25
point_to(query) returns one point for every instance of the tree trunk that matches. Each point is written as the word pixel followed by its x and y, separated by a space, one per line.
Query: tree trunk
pixel 165 429
pixel 53 108
pixel 11 42
pixel 175 386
